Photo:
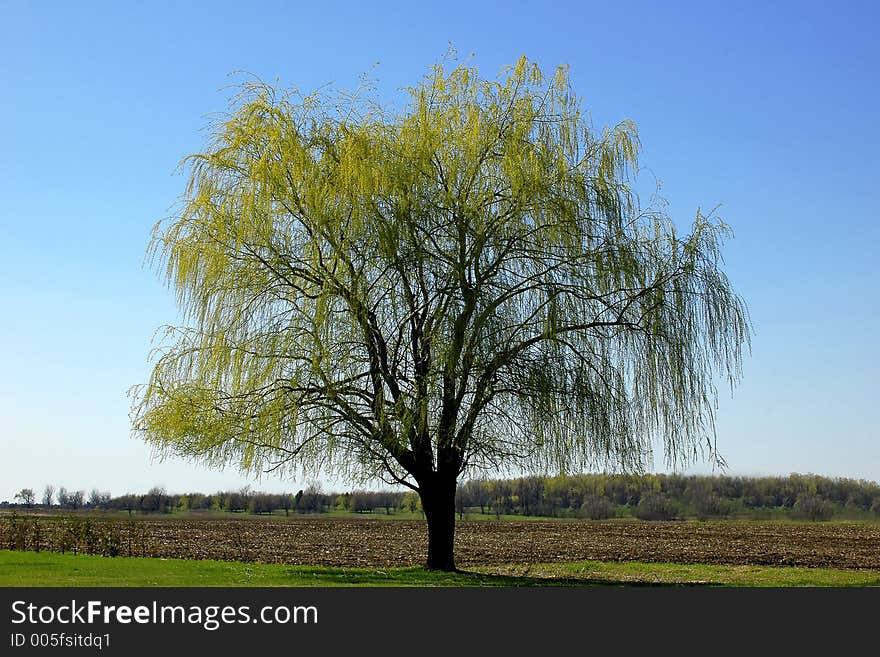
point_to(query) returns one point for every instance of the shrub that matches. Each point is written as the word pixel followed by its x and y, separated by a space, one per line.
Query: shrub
pixel 596 508
pixel 712 506
pixel 16 532
pixel 110 539
pixel 811 507
pixel 656 506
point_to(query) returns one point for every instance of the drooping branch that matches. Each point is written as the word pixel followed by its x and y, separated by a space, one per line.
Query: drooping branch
pixel 470 283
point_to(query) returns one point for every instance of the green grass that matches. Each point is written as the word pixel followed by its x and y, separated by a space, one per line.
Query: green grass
pixel 690 574
pixel 51 569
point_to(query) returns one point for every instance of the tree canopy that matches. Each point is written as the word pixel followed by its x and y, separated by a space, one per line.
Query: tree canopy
pixel 467 283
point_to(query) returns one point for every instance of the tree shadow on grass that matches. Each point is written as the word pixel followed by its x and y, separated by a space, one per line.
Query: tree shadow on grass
pixel 487 579
pixel 421 577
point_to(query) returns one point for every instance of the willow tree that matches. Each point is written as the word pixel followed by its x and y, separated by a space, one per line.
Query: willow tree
pixel 411 295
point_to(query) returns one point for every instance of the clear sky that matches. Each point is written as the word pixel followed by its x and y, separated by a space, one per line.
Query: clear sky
pixel 769 109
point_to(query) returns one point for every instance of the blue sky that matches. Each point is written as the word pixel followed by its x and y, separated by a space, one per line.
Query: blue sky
pixel 767 109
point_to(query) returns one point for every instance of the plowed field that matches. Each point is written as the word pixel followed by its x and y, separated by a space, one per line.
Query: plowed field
pixel 384 543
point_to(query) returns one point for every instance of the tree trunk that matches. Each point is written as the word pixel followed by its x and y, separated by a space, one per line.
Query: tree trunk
pixel 438 503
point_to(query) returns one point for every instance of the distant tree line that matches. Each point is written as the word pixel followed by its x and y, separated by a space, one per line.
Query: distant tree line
pixel 157 500
pixel 591 496
pixel 665 497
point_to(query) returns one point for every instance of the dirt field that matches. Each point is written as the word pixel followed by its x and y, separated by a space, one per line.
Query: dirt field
pixel 382 543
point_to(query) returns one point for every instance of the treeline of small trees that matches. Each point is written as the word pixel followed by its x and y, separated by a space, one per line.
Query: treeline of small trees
pixel 593 496
pixel 664 496
pixel 157 500
pixel 73 533
pixel 63 498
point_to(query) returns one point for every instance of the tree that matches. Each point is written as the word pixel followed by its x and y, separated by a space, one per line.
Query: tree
pixel 285 502
pixel 99 499
pixel 76 499
pixel 26 496
pixel 313 499
pixel 70 499
pixel 468 284
pixel 48 494
pixel 63 497
pixel 389 500
pixel 130 502
pixel 155 501
pixel 477 493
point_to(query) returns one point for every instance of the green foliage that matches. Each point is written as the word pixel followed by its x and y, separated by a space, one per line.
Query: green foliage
pixel 811 507
pixel 469 283
pixel 798 496
pixel 712 506
pixel 412 503
pixel 702 497
pixel 656 506
pixel 597 508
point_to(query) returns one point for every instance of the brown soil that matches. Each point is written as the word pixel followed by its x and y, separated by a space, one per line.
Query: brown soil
pixel 384 543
